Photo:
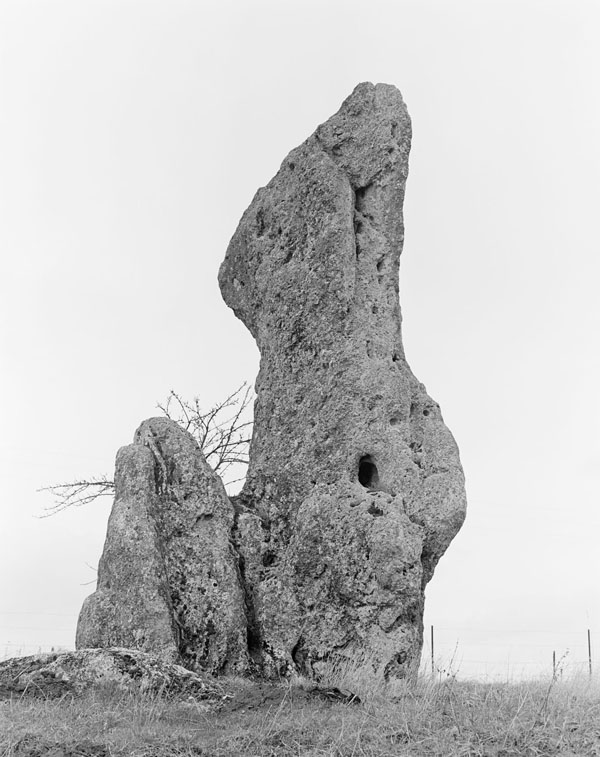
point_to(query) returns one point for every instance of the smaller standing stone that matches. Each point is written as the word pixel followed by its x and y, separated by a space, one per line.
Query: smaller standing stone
pixel 131 606
pixel 168 580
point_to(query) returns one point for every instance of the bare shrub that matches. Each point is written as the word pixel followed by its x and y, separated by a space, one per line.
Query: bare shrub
pixel 223 434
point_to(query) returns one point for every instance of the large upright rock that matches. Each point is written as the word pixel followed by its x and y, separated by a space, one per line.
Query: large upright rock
pixel 355 487
pixel 168 579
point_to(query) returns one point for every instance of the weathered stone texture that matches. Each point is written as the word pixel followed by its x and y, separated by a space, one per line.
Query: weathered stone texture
pixel 131 606
pixel 354 488
pixel 49 676
pixel 168 579
pixel 354 476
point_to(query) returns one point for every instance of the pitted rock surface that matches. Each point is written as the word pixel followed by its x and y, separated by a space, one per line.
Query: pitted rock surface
pixel 50 676
pixel 354 488
pixel 168 579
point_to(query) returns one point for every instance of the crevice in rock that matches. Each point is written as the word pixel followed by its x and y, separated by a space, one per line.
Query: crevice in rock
pixel 417 453
pixel 300 656
pixel 162 479
pixel 159 483
pixel 268 559
pixel 358 226
pixel 204 517
pixel 360 215
pixel 253 635
pixel 360 199
pixel 260 223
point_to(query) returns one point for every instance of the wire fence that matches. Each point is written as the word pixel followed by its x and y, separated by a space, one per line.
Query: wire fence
pixel 476 652
pixel 30 632
pixel 465 652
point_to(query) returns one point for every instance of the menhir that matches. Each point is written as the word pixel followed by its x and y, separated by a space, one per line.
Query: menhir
pixel 354 488
pixel 168 579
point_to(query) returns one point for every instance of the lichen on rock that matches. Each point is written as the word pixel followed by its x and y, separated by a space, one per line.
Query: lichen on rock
pixel 168 579
pixel 53 675
pixel 355 477
pixel 354 488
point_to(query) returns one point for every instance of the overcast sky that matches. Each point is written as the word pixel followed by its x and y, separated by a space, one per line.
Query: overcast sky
pixel 132 137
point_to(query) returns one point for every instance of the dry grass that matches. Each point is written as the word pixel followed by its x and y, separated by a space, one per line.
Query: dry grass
pixel 446 719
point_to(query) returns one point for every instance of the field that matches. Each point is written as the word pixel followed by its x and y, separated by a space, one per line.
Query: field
pixel 444 718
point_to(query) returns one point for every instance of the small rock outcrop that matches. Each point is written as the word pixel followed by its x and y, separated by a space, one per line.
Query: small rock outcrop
pixel 354 488
pixel 51 676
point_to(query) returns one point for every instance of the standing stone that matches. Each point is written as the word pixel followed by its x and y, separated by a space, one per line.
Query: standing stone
pixel 168 579
pixel 355 488
pixel 131 606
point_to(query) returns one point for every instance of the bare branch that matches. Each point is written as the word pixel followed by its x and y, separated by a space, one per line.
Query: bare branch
pixel 222 436
pixel 77 493
pixel 222 433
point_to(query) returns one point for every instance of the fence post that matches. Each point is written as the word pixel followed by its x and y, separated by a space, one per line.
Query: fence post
pixel 589 652
pixel 432 663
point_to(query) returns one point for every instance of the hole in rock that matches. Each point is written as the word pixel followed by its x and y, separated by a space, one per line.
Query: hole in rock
pixel 360 194
pixel 268 559
pixel 368 475
pixel 300 656
pixel 253 641
pixel 360 198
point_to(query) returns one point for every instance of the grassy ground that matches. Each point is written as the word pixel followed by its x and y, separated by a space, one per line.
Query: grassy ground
pixel 445 719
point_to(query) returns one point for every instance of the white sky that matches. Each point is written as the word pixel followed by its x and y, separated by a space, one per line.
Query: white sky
pixel 132 137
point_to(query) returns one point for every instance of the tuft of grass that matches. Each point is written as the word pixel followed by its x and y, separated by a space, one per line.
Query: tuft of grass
pixel 425 718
